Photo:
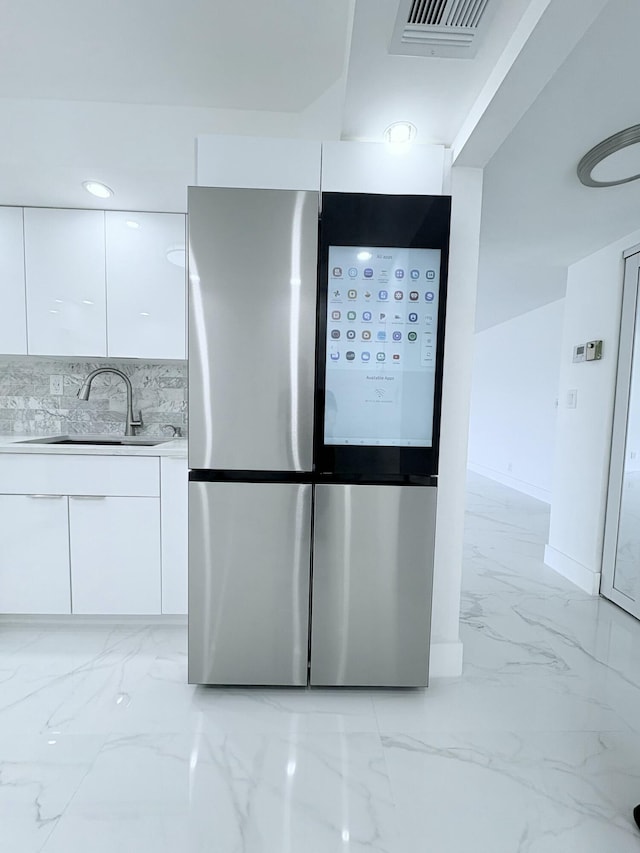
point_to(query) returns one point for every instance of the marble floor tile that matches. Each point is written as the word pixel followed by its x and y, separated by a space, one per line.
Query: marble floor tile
pixel 501 703
pixel 253 793
pixel 505 792
pixel 76 681
pixel 39 774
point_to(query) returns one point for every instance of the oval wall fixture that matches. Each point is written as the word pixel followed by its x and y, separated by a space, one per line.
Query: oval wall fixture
pixel 604 149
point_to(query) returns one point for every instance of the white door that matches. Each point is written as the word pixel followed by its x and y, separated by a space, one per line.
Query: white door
pixel 34 554
pixel 65 275
pixel 621 555
pixel 146 285
pixel 115 554
pixel 13 316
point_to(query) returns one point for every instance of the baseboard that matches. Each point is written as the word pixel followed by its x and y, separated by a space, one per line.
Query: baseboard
pixel 513 483
pixel 572 570
pixel 80 621
pixel 445 660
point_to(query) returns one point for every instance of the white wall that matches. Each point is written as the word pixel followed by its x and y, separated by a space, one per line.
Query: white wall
pixel 516 368
pixel 583 434
pixel 466 192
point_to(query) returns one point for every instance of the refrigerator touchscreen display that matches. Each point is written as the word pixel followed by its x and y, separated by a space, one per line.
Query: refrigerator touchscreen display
pixel 382 317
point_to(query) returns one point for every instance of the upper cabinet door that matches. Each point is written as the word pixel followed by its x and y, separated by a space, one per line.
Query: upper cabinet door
pixel 146 285
pixel 13 317
pixel 65 273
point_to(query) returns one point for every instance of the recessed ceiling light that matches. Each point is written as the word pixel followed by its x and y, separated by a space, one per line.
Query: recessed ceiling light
pixel 603 150
pixel 97 189
pixel 176 255
pixel 131 223
pixel 400 132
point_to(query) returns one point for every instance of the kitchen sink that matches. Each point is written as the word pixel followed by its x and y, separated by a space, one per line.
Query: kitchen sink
pixel 92 440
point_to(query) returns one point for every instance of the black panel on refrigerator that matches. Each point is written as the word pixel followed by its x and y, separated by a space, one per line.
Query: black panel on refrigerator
pixel 382 286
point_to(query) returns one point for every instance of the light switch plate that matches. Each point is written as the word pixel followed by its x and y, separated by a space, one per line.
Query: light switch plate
pixel 56 384
pixel 572 398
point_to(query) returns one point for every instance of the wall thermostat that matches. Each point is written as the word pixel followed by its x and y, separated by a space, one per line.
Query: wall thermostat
pixel 594 350
pixel 578 352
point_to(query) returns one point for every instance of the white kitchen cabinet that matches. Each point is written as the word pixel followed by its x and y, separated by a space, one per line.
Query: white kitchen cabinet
pixel 174 488
pixel 34 554
pixel 13 313
pixel 103 523
pixel 374 167
pixel 146 291
pixel 96 534
pixel 115 555
pixel 223 160
pixel 65 281
pixel 68 474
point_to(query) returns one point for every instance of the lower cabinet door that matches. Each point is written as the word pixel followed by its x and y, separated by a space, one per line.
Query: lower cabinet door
pixel 115 555
pixel 34 554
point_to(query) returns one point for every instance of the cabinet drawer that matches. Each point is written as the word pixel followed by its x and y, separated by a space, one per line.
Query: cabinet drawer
pixel 49 474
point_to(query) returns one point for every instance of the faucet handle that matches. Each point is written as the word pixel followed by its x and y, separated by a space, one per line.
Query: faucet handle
pixel 177 431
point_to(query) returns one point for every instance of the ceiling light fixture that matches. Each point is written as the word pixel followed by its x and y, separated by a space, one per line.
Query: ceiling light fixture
pixel 400 133
pixel 604 149
pixel 98 189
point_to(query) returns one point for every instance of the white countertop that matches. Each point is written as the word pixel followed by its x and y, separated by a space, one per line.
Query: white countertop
pixel 171 447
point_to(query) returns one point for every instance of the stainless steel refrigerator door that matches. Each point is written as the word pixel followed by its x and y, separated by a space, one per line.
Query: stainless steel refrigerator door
pixel 252 326
pixel 372 585
pixel 249 565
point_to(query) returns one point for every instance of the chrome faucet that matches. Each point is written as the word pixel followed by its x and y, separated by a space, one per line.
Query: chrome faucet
pixel 83 394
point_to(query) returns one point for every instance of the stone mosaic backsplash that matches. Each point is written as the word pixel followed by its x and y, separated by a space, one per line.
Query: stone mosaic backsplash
pixel 28 408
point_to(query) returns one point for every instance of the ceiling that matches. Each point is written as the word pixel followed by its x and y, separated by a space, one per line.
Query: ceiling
pixel 118 92
pixel 436 93
pixel 197 53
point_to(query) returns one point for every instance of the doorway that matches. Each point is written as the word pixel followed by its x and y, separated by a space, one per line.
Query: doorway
pixel 621 555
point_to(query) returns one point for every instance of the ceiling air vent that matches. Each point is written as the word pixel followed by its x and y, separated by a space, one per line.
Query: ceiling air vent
pixel 447 28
